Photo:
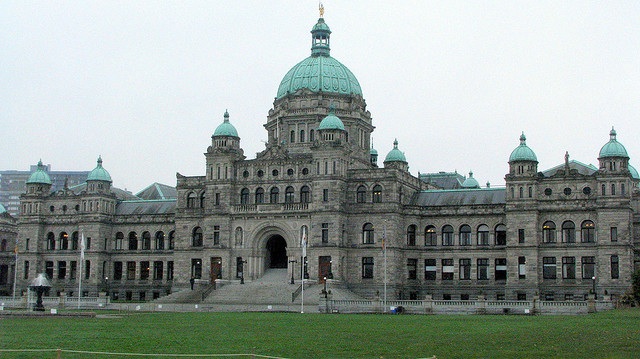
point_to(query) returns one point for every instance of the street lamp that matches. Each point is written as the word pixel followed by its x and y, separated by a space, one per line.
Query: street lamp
pixel 325 287
pixel 292 267
pixel 595 296
pixel 106 284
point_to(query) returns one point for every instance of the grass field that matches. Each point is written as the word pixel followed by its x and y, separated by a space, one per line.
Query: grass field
pixel 612 334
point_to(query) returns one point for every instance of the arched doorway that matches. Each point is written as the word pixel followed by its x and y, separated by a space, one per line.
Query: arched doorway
pixel 276 252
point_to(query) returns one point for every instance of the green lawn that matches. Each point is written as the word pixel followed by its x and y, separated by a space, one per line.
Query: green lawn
pixel 613 334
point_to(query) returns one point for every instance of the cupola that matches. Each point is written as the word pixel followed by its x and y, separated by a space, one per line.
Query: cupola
pixel 523 161
pixel 331 128
pixel 39 182
pixel 613 156
pixel 373 155
pixel 99 180
pixel 396 159
pixel 225 136
pixel 470 182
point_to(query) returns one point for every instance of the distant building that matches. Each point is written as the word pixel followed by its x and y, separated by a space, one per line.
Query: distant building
pixel 13 184
pixel 557 233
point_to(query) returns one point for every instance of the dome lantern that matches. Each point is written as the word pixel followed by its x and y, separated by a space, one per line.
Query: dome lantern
pixel 99 173
pixel 613 148
pixel 225 128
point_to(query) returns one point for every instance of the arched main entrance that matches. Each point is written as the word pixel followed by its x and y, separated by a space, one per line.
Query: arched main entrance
pixel 276 252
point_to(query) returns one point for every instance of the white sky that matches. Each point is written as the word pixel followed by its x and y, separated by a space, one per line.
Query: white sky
pixel 145 83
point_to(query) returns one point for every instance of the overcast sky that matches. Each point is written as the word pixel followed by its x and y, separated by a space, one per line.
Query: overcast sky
pixel 145 83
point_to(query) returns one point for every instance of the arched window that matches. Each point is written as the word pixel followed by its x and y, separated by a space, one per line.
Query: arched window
pixel 259 195
pixel 613 189
pixel 133 241
pixel 51 241
pixel 447 235
pixel 311 135
pixel 202 199
pixel 549 232
pixel 74 241
pixel 604 187
pixel 191 200
pixel 159 245
pixel 377 194
pixel 302 136
pixel 465 235
pixel 239 236
pixel 273 196
pixel 430 236
pixel 119 240
pixel 587 232
pixel 288 195
pixel 521 191
pixel 292 137
pixel 64 241
pixel 305 194
pixel 568 232
pixel 483 235
pixel 411 235
pixel 367 233
pixel 172 240
pixel 361 194
pixel 501 235
pixel 244 196
pixel 146 240
pixel 196 237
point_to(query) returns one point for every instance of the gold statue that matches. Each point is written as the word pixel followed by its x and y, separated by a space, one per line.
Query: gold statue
pixel 321 8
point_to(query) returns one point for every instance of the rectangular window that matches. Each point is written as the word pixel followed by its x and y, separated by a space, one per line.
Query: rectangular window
pixel 447 238
pixel 196 267
pixel 117 270
pixel 614 234
pixel 588 267
pixel 88 243
pixel 325 195
pixel 367 267
pixel 430 269
pixel 501 269
pixel 465 238
pixel 521 235
pixel 87 269
pixel 217 199
pixel 483 268
pixel 522 296
pixel 144 270
pixel 447 269
pixel 522 267
pixel 216 235
pixel 62 269
pixel 412 266
pixel 483 238
pixel 549 267
pixel 131 270
pixel 325 232
pixel 568 268
pixel 48 269
pixel 615 267
pixel 465 269
pixel 26 270
pixel 158 270
pixel 73 270
pixel 170 270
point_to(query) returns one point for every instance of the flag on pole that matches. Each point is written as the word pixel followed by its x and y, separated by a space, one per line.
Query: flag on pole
pixel 304 243
pixel 15 249
pixel 82 244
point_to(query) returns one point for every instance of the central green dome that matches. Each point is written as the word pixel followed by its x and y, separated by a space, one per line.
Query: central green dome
pixel 320 72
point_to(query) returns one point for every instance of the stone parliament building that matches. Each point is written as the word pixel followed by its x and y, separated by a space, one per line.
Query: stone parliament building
pixel 319 189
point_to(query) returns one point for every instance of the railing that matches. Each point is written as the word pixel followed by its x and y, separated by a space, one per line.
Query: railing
pixel 295 294
pixel 267 207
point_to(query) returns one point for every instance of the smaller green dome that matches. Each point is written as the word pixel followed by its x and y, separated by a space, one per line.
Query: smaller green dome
pixel 523 152
pixel 613 148
pixel 331 122
pixel 395 155
pixel 634 172
pixel 373 151
pixel 225 128
pixel 470 182
pixel 39 176
pixel 99 173
pixel 2 209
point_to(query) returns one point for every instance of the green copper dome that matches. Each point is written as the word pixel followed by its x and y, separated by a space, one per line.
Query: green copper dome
pixel 331 122
pixel 373 151
pixel 225 128
pixel 320 72
pixel 2 209
pixel 634 172
pixel 99 173
pixel 470 182
pixel 523 152
pixel 395 155
pixel 39 176
pixel 613 148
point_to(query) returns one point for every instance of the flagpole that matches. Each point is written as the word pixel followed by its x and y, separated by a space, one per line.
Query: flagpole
pixel 81 264
pixel 15 272
pixel 304 255
pixel 384 250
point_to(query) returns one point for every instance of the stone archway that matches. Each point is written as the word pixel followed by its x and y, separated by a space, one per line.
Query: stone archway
pixel 276 252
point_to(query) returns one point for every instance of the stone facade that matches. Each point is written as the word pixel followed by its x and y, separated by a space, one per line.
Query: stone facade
pixel 547 233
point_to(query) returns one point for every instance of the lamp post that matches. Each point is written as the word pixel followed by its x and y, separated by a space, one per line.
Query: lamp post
pixel 292 267
pixel 595 296
pixel 106 285
pixel 325 287
pixel 242 262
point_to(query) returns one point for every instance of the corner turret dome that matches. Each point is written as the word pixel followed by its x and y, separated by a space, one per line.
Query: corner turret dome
pixel 331 121
pixel 225 128
pixel 470 182
pixel 99 173
pixel 634 172
pixel 613 148
pixel 523 152
pixel 2 209
pixel 319 72
pixel 39 176
pixel 395 155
